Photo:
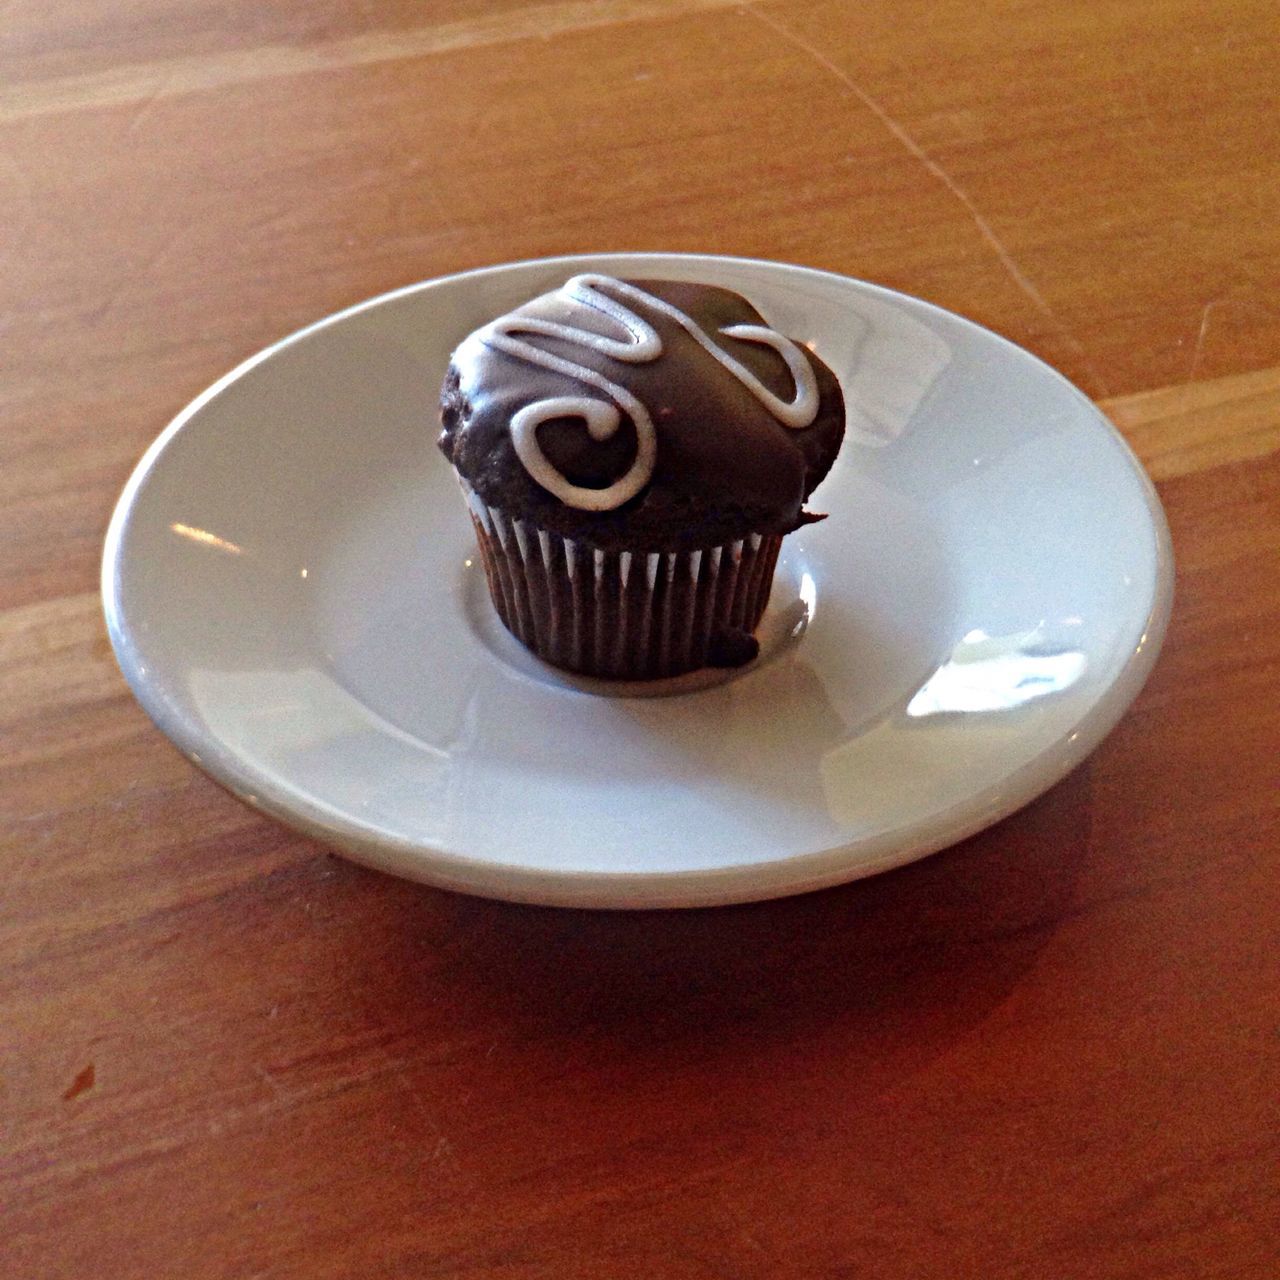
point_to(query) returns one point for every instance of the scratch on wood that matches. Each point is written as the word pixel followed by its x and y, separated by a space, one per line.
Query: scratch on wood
pixel 1206 316
pixel 157 256
pixel 984 228
pixel 270 1081
pixel 442 1150
pixel 1198 350
pixel 147 104
pixel 81 1084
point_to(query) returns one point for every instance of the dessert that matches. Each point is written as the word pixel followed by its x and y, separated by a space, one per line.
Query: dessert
pixel 633 453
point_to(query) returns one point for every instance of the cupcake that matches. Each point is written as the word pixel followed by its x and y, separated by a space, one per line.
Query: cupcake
pixel 633 453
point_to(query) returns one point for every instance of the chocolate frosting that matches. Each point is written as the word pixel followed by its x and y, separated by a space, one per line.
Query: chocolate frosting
pixel 725 464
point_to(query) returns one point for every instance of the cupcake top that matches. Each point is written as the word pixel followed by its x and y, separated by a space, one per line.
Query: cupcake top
pixel 641 413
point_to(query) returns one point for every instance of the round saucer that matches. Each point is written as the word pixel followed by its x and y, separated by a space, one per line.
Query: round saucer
pixel 293 593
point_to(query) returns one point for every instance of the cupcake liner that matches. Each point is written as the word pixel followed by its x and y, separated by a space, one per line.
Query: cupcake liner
pixel 631 615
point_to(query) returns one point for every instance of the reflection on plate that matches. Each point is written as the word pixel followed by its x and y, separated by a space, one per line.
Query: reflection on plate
pixel 292 591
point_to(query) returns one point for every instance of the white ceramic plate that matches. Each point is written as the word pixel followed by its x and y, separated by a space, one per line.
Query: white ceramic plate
pixel 292 592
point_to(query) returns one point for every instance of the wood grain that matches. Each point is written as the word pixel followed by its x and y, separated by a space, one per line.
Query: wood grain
pixel 1051 1051
pixel 164 78
pixel 1177 430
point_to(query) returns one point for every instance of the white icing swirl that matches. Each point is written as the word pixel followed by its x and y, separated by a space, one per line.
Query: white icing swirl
pixel 640 345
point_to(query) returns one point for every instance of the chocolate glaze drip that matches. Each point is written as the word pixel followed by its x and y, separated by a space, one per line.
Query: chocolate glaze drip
pixel 725 464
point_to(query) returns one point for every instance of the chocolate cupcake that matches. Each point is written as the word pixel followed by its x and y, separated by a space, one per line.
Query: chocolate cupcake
pixel 633 453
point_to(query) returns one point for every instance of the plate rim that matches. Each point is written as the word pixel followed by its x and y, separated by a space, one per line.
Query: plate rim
pixel 626 890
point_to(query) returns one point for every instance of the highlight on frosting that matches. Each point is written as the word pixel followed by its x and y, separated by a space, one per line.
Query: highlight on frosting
pixel 639 343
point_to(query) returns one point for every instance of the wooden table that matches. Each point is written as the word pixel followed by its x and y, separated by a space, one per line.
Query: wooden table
pixel 1053 1051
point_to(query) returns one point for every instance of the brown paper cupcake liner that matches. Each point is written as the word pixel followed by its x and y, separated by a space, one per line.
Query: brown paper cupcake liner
pixel 629 615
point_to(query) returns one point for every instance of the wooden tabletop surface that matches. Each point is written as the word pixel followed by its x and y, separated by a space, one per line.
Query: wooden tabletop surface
pixel 1052 1051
